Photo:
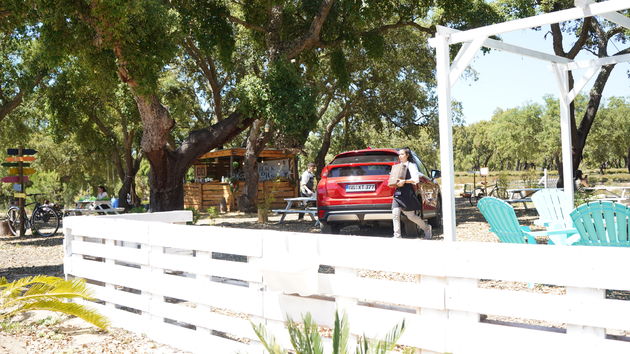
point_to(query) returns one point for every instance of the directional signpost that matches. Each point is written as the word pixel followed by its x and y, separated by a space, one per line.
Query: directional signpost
pixel 18 164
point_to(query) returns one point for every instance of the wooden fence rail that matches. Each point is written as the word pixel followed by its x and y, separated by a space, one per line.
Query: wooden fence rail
pixel 198 287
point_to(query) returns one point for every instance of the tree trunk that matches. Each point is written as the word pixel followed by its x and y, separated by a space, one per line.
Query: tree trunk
pixel 320 159
pixel 256 141
pixel 595 98
pixel 168 168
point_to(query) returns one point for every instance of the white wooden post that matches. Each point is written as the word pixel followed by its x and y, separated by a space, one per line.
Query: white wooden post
pixel 446 136
pixel 565 132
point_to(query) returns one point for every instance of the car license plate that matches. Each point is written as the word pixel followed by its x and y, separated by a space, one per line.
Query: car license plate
pixel 360 188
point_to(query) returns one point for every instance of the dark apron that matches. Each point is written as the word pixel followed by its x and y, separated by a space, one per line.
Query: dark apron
pixel 405 197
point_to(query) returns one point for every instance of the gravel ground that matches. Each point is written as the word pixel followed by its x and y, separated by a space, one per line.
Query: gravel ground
pixel 50 333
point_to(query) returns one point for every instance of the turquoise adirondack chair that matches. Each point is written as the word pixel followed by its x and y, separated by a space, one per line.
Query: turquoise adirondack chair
pixel 602 223
pixel 503 222
pixel 551 204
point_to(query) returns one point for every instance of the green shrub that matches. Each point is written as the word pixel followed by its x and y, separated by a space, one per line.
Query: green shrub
pixel 137 210
pixel 195 214
pixel 305 338
pixel 213 212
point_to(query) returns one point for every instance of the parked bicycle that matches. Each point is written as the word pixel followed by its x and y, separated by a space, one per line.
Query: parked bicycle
pixel 44 220
pixel 493 190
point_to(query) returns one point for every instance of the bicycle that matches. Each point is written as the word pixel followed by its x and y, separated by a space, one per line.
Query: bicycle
pixel 44 220
pixel 482 191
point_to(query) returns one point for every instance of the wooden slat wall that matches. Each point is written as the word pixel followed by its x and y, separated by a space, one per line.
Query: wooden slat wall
pixel 204 195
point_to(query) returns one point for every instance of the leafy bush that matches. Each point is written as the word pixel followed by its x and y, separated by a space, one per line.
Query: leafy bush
pixel 196 215
pixel 137 210
pixel 43 292
pixel 213 212
pixel 305 338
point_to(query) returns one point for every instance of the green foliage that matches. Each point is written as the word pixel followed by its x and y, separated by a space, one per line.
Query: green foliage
pixel 305 338
pixel 531 178
pixel 137 210
pixel 196 215
pixel 47 293
pixel 213 212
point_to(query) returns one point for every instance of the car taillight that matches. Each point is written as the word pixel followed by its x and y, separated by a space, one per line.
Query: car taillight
pixel 320 213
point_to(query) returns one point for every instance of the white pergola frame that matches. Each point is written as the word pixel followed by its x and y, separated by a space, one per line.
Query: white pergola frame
pixel 473 40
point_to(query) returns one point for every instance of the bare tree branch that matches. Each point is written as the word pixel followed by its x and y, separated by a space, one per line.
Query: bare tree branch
pixel 311 38
pixel 210 73
pixel 246 24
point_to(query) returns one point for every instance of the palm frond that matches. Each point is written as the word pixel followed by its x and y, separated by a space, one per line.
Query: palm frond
pixel 44 292
pixel 69 308
pixel 341 333
pixel 387 344
pixel 45 288
pixel 268 341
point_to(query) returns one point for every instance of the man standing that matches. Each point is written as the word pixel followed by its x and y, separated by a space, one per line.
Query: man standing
pixel 307 184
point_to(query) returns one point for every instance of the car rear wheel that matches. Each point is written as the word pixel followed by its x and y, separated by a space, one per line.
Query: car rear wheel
pixel 327 228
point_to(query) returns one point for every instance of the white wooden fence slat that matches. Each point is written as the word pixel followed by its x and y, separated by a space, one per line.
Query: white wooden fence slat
pixel 236 326
pixel 110 273
pixel 112 229
pixel 421 331
pixel 125 254
pixel 279 307
pixel 119 297
pixel 206 238
pixel 120 318
pixel 175 216
pixel 221 268
pixel 547 307
pixel 194 341
pixel 230 297
pixel 383 291
pixel 580 266
pixel 491 338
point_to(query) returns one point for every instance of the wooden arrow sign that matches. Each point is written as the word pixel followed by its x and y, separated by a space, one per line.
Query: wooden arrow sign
pixel 15 164
pixel 15 179
pixel 14 171
pixel 16 152
pixel 20 158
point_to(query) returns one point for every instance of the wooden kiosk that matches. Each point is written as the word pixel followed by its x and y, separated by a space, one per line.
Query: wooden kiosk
pixel 219 180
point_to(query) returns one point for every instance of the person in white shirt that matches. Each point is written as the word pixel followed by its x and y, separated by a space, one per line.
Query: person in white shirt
pixel 405 198
pixel 101 193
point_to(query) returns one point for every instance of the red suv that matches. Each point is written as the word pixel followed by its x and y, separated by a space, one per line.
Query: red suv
pixel 353 190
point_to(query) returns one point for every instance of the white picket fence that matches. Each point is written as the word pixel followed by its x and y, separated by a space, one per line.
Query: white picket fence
pixel 184 286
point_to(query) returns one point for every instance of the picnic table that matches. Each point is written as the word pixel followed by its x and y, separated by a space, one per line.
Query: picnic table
pixel 298 205
pixel 520 195
pixel 616 194
pixel 92 207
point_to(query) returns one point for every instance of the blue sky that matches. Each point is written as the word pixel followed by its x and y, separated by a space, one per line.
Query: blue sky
pixel 507 80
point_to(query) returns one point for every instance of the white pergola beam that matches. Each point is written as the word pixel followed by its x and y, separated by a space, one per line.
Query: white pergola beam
pixel 447 166
pixel 562 79
pixel 585 64
pixel 577 87
pixel 618 18
pixel 540 20
pixel 506 47
pixel 462 61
